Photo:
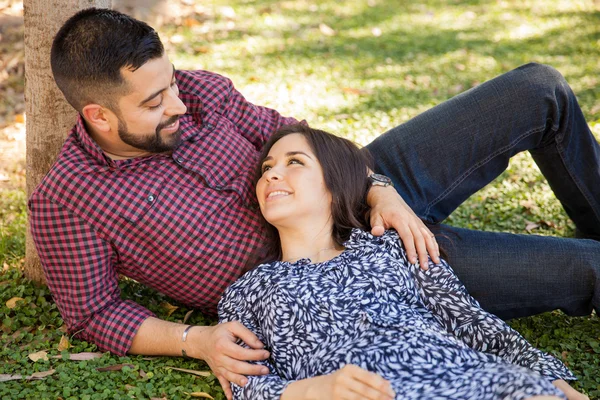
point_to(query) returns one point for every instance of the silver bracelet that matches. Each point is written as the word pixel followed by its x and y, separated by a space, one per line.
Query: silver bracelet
pixel 184 337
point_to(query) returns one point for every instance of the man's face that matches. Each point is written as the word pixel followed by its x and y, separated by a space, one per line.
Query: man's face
pixel 148 116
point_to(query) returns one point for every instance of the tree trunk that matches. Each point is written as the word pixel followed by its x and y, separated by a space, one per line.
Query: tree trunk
pixel 49 116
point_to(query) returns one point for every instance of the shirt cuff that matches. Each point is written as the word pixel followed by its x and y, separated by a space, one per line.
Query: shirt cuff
pixel 114 328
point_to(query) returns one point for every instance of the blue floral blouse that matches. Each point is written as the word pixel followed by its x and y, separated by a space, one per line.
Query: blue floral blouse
pixel 370 307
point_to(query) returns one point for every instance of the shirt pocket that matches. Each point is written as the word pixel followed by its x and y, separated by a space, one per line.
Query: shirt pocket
pixel 221 155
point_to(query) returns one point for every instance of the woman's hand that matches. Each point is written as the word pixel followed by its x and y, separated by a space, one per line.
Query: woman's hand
pixel 348 383
pixel 571 393
pixel 389 210
pixel 217 346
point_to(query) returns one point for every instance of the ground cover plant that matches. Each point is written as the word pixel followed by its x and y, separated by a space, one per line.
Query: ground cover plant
pixel 356 68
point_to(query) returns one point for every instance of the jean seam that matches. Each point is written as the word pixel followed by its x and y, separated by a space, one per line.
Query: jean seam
pixel 478 165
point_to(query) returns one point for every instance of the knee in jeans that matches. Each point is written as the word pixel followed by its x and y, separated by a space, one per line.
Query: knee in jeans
pixel 544 77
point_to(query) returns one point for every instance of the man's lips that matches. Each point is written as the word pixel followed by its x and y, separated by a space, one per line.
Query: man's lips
pixel 171 127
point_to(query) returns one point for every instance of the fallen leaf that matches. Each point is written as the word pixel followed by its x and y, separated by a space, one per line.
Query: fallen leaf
pixel 12 303
pixel 85 356
pixel 34 376
pixel 116 367
pixel 187 316
pixel 531 226
pixel 10 377
pixel 5 282
pixel 527 204
pixel 143 375
pixel 40 355
pixel 64 343
pixel 169 308
pixel 326 30
pixel 41 375
pixel 129 387
pixel 63 328
pixel 200 394
pixel 191 371
pixel 595 109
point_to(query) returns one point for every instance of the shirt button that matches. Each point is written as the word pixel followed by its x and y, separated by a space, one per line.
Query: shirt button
pixel 210 126
pixel 179 160
pixel 150 199
pixel 218 187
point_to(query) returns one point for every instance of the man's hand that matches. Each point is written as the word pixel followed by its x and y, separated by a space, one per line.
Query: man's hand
pixel 217 346
pixel 571 393
pixel 389 210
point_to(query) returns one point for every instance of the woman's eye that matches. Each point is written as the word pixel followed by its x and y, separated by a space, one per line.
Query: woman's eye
pixel 294 161
pixel 265 168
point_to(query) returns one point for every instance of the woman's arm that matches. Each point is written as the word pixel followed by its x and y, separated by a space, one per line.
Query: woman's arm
pixel 233 307
pixel 448 300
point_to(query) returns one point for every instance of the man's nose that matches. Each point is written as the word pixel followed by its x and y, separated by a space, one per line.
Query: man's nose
pixel 174 104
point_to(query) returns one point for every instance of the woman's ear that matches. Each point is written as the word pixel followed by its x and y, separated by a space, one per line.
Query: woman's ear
pixel 97 116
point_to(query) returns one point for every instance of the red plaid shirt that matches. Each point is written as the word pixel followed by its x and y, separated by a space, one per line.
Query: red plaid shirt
pixel 183 224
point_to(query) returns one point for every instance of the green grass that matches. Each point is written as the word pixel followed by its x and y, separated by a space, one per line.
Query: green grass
pixel 385 62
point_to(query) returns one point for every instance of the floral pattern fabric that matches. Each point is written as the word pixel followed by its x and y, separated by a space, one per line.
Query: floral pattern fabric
pixel 370 307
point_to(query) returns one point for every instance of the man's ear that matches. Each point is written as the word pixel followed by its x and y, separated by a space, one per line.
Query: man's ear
pixel 97 116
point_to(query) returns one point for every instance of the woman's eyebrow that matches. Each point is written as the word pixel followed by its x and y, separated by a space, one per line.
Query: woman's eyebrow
pixel 288 154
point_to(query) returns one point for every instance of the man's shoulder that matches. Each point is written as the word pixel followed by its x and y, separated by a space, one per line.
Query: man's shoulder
pixel 205 88
pixel 72 161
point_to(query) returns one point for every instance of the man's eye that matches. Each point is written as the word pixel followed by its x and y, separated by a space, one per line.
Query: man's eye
pixel 155 107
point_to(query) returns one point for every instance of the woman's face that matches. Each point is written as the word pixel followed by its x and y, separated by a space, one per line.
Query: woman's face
pixel 291 191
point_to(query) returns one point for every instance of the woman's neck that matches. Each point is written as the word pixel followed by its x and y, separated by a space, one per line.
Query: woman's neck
pixel 316 246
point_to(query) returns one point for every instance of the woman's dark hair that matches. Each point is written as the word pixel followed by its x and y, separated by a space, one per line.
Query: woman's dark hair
pixel 90 49
pixel 345 168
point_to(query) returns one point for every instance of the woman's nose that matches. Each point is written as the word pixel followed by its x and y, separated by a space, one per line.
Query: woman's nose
pixel 272 175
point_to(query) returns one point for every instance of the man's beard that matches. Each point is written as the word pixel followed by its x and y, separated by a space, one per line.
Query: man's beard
pixel 153 143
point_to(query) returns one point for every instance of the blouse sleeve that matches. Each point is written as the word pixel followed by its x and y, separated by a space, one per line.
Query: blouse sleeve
pixel 233 307
pixel 461 315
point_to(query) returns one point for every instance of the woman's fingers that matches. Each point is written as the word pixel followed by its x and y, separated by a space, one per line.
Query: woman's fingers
pixel 357 383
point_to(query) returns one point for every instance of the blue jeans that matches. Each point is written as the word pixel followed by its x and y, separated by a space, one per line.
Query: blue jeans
pixel 441 157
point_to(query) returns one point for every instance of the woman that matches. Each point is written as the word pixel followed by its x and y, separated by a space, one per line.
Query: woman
pixel 346 316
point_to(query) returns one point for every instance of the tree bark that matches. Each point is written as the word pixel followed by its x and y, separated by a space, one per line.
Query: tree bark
pixel 49 116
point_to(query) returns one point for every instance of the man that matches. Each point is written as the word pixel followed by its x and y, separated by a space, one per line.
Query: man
pixel 154 182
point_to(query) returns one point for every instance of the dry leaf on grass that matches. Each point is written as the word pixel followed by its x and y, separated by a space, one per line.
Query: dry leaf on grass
pixel 116 367
pixel 34 376
pixel 10 377
pixel 199 394
pixel 531 226
pixel 187 316
pixel 85 356
pixel 169 308
pixel 12 303
pixel 191 371
pixel 39 355
pixel 41 375
pixel 64 343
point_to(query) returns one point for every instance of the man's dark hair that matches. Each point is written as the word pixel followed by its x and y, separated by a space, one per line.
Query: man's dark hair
pixel 90 49
pixel 345 168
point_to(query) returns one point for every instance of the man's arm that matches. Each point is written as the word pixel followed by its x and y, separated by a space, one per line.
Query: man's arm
pixel 80 273
pixel 389 210
pixel 255 123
